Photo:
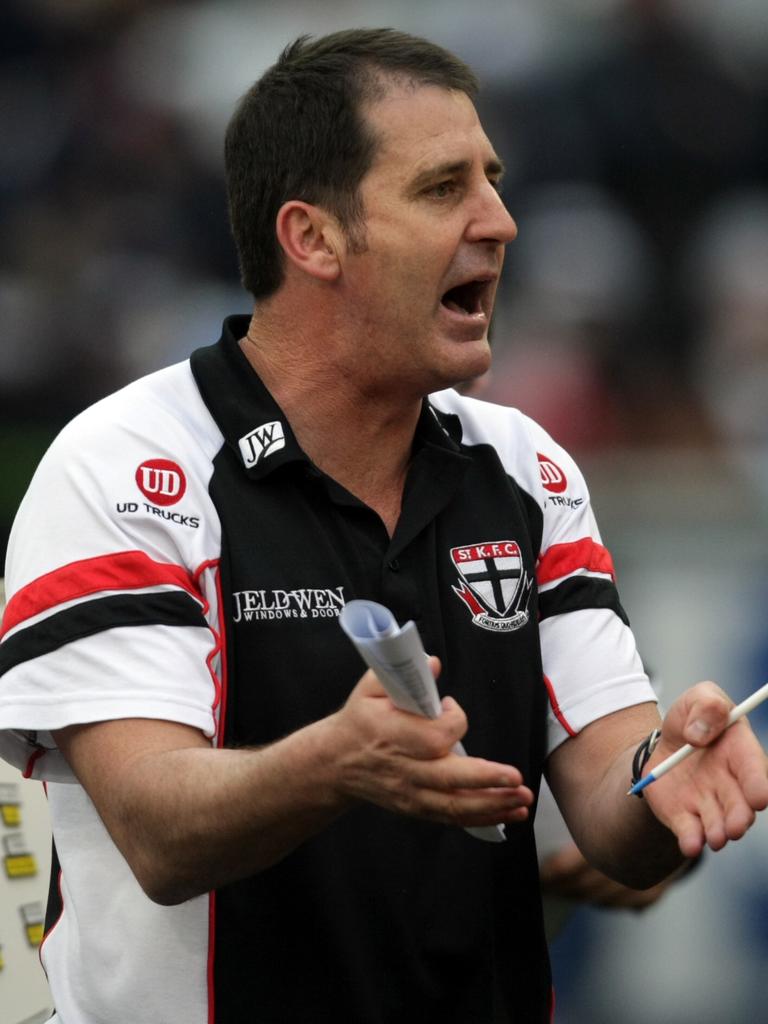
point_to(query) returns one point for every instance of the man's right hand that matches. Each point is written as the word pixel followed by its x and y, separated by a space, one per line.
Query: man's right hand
pixel 406 763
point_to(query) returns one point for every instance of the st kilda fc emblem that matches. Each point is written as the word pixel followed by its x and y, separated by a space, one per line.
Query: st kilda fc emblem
pixel 494 584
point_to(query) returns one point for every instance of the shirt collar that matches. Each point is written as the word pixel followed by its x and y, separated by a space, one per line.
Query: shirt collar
pixel 253 424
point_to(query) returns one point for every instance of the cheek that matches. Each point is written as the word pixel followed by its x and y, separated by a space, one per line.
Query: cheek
pixel 415 276
pixel 397 284
pixel 401 273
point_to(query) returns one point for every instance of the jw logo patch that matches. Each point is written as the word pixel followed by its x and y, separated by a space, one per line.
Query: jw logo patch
pixel 261 442
pixel 494 584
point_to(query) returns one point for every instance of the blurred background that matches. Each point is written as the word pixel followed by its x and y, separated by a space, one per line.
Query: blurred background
pixel 632 322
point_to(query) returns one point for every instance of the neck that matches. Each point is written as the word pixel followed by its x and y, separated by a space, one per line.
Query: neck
pixel 359 436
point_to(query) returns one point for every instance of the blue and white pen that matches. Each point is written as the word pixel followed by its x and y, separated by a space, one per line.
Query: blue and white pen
pixel 680 755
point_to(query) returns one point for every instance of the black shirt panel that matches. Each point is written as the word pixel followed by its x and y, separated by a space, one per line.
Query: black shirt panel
pixel 379 918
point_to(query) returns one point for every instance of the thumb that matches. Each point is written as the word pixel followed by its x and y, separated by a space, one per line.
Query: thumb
pixel 707 714
pixel 369 685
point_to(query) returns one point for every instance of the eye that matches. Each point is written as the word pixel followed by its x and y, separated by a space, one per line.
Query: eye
pixel 442 190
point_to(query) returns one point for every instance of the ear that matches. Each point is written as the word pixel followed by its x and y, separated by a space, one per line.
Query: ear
pixel 310 238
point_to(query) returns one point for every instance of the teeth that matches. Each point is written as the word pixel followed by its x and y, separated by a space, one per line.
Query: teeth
pixel 456 308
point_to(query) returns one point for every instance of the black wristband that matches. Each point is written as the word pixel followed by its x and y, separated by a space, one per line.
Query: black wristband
pixel 642 757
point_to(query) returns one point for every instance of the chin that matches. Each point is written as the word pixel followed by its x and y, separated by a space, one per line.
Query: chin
pixel 474 361
pixel 449 363
pixel 467 380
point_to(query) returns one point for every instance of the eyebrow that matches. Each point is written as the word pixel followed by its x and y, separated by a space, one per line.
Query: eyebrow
pixel 493 166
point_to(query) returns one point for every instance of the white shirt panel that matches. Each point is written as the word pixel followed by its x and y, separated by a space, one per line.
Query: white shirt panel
pixel 86 963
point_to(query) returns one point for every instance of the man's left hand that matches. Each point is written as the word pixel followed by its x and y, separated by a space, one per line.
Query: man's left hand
pixel 714 794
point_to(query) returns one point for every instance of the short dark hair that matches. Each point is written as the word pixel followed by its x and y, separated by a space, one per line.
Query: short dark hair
pixel 298 133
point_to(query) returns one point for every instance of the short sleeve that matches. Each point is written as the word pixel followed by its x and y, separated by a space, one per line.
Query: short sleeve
pixel 589 655
pixel 111 577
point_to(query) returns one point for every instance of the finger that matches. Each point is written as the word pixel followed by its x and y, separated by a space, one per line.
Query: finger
pixel 457 807
pixel 738 813
pixel 455 772
pixel 409 733
pixel 563 863
pixel 702 800
pixel 589 885
pixel 624 899
pixel 742 787
pixel 435 665
pixel 570 882
pixel 466 790
pixel 425 739
pixel 739 817
pixel 641 899
pixel 613 894
pixel 754 784
pixel 419 788
pixel 592 886
pixel 429 738
pixel 453 719
pixel 369 685
pixel 690 833
pixel 748 764
pixel 468 808
pixel 713 820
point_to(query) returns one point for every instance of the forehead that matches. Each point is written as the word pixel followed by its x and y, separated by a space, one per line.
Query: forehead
pixel 418 126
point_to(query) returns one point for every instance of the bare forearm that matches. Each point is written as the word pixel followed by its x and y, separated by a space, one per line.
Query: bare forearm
pixel 590 776
pixel 621 835
pixel 215 816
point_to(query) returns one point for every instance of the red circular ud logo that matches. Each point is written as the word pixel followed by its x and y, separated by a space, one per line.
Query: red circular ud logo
pixel 162 481
pixel 552 477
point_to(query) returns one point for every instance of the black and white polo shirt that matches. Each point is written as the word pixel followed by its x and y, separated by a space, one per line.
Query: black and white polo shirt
pixel 178 557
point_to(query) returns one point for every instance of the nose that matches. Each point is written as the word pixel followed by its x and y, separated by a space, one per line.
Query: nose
pixel 492 221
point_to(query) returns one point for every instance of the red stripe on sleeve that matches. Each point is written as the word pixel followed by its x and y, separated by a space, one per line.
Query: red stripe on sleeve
pixel 35 756
pixel 126 570
pixel 556 708
pixel 562 559
pixel 220 647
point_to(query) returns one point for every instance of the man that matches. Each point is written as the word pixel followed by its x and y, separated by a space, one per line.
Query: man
pixel 247 830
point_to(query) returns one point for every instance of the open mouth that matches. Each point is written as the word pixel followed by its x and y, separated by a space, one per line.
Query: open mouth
pixel 466 298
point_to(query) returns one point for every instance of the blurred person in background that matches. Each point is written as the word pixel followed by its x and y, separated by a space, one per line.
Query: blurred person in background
pixel 243 825
pixel 725 278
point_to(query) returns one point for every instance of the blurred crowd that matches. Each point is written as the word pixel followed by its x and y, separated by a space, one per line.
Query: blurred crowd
pixel 634 309
pixel 637 300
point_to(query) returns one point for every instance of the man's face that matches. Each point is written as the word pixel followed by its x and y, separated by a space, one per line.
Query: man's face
pixel 422 291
